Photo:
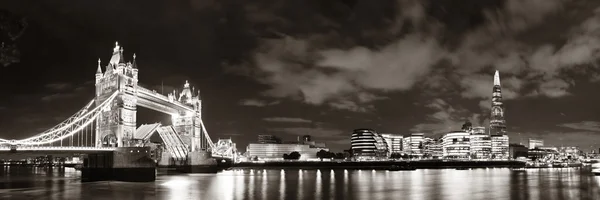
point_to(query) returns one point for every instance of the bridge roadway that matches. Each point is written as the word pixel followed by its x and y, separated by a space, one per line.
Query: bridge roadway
pixel 29 152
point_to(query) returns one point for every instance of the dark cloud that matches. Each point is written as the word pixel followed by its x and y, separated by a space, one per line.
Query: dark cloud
pixel 585 126
pixel 257 102
pixel 287 120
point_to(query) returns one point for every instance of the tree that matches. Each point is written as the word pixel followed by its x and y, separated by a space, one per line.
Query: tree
pixel 292 156
pixel 321 154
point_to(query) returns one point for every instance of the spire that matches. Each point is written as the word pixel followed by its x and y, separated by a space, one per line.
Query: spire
pixel 99 70
pixel 117 47
pixel 497 78
pixel 134 65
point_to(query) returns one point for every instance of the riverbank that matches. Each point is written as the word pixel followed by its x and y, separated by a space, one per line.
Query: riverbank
pixel 422 164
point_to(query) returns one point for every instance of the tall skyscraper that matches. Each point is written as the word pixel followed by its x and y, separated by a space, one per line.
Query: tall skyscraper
pixel 497 122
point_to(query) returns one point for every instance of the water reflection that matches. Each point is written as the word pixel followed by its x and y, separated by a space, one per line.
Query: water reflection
pixel 551 184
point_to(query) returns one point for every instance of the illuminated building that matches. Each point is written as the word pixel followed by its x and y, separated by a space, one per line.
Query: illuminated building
pixel 533 143
pixel 268 139
pixel 432 148
pixel 415 144
pixel 269 151
pixel 394 142
pixel 518 150
pixel 497 122
pixel 456 145
pixel 500 147
pixel 368 144
pixel 481 146
pixel 478 130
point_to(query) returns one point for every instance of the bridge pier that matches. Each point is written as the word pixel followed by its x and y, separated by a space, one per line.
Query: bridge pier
pixel 130 164
pixel 200 162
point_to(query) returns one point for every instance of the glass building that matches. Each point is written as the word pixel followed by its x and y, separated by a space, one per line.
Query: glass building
pixel 368 145
pixel 500 147
pixel 416 144
pixel 533 143
pixel 456 145
pixel 394 143
pixel 481 146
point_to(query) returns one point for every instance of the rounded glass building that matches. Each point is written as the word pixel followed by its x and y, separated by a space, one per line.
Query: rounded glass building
pixel 368 145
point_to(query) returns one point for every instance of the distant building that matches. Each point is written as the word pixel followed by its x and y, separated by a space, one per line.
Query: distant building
pixel 368 144
pixel 416 144
pixel 456 145
pixel 394 142
pixel 432 148
pixel 500 146
pixel 268 139
pixel 518 150
pixel 270 151
pixel 478 130
pixel 533 143
pixel 306 138
pixel 497 122
pixel 481 145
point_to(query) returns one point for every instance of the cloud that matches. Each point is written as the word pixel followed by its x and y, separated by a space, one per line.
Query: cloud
pixel 59 86
pixel 257 103
pixel 584 125
pixel 446 118
pixel 334 68
pixel 287 119
pixel 341 78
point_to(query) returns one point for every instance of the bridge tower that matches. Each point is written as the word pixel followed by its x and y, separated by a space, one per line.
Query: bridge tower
pixel 116 124
pixel 189 124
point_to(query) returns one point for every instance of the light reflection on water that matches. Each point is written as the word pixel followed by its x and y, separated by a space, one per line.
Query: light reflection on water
pixel 549 184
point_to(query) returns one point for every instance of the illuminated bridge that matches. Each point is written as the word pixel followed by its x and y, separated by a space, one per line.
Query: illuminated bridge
pixel 108 122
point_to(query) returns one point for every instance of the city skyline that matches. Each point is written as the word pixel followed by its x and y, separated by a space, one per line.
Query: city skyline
pixel 411 73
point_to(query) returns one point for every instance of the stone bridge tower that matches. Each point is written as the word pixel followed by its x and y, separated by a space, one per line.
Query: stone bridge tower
pixel 189 124
pixel 116 125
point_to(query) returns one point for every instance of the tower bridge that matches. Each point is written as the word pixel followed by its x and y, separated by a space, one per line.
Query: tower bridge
pixel 108 123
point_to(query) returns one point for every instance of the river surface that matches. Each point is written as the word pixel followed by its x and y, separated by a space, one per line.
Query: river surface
pixel 422 184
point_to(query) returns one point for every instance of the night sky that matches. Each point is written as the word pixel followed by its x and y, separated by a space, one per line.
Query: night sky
pixel 320 67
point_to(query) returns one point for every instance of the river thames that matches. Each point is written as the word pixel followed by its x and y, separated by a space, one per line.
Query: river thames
pixel 422 184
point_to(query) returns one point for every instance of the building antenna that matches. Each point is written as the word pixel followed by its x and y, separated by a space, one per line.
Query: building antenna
pixel 162 88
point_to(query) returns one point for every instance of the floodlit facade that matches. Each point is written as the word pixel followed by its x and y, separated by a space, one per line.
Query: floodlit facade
pixel 481 146
pixel 416 144
pixel 500 147
pixel 266 151
pixel 268 139
pixel 368 144
pixel 432 148
pixel 456 145
pixel 394 143
pixel 533 143
pixel 497 122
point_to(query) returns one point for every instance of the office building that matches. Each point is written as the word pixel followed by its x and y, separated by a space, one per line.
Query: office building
pixel 270 151
pixel 368 145
pixel 268 139
pixel 394 143
pixel 456 145
pixel 432 148
pixel 416 144
pixel 481 145
pixel 497 122
pixel 533 143
pixel 500 150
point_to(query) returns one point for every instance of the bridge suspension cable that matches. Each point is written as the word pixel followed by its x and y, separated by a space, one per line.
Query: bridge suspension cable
pixel 68 128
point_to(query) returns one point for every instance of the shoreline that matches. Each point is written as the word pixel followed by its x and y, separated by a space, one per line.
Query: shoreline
pixel 423 164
